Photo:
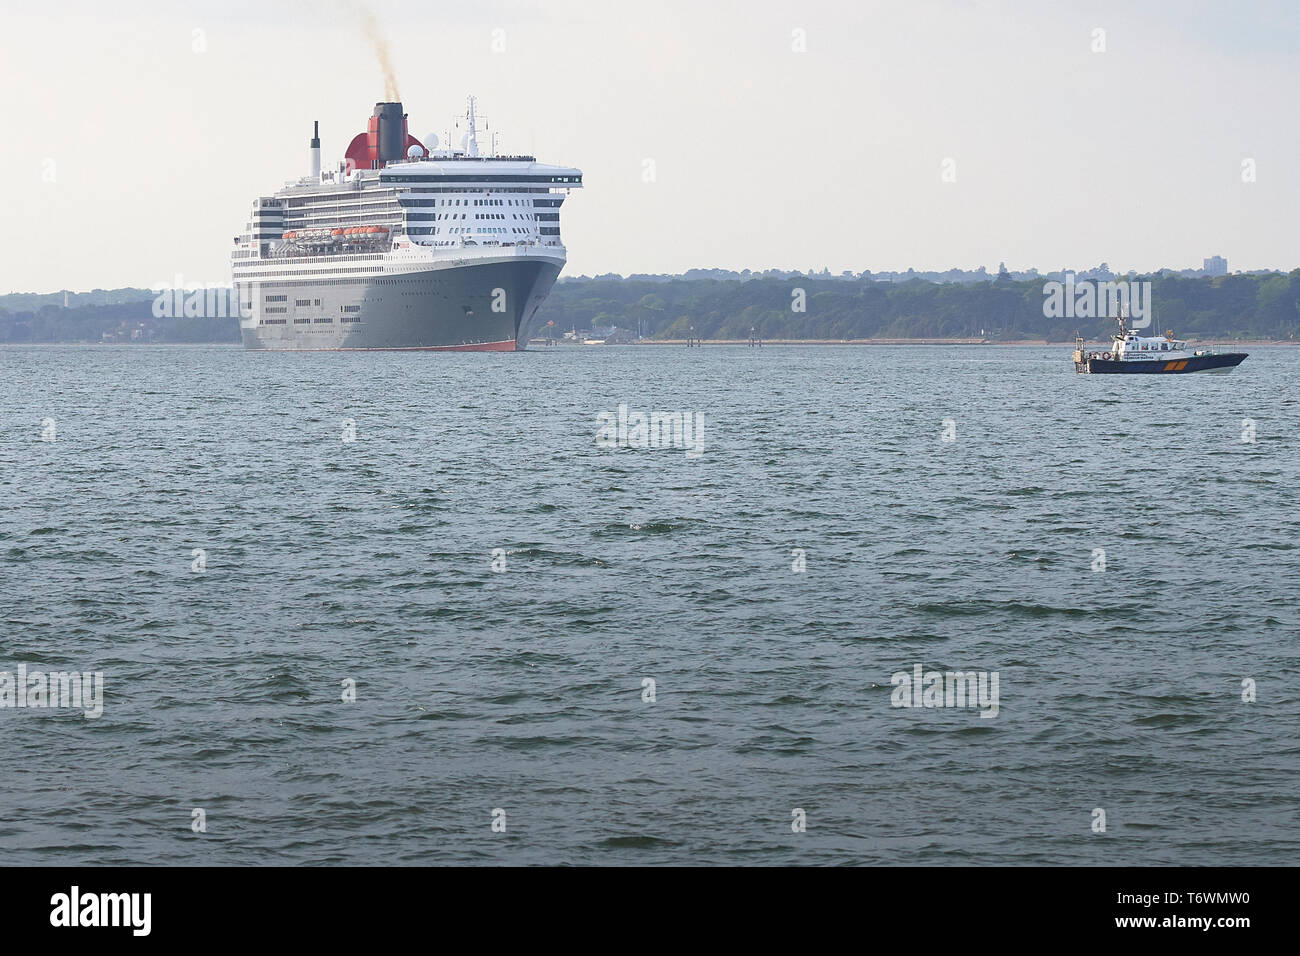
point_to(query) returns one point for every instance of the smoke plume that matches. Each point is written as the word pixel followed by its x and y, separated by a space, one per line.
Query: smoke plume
pixel 371 27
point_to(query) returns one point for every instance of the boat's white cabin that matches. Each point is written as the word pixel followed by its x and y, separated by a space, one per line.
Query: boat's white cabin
pixel 1130 346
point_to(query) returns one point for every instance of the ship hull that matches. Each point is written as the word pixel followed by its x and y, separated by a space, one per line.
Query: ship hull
pixel 478 307
pixel 1199 363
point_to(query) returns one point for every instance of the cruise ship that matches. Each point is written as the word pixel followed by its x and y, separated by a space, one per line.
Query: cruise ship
pixel 403 245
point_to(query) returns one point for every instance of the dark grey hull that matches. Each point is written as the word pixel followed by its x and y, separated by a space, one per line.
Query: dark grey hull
pixel 1199 363
pixel 489 306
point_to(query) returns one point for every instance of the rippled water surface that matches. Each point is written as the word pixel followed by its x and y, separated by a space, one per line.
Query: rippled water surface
pixel 372 561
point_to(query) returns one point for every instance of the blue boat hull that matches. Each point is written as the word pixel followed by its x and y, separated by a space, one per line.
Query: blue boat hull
pixel 1200 363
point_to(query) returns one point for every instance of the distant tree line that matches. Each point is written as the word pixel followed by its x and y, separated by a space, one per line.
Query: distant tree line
pixel 131 322
pixel 1259 305
pixel 1235 306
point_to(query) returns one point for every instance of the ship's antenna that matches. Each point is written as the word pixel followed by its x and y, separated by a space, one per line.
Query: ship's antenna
pixel 471 137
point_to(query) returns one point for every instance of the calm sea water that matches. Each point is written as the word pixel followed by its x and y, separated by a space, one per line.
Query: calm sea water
pixel 329 561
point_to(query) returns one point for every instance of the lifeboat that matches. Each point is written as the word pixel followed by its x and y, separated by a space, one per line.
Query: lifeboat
pixel 290 235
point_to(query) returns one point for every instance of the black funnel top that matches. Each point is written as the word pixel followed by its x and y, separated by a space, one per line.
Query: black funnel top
pixel 392 134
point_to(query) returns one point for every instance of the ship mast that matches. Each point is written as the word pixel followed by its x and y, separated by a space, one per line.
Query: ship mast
pixel 471 135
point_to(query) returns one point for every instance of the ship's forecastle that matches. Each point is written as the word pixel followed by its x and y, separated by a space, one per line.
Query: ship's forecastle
pixel 403 246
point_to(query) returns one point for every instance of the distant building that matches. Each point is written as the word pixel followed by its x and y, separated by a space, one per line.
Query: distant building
pixel 1215 266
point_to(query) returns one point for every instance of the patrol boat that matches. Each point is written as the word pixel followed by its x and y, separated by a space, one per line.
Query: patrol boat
pixel 1135 354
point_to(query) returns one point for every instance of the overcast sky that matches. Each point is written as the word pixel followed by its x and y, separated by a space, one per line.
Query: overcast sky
pixel 157 139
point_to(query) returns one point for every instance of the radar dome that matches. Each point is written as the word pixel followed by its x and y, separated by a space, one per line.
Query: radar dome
pixel 414 152
pixel 431 141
